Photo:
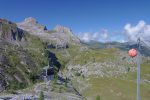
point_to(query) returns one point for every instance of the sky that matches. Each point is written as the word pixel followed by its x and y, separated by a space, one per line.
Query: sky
pixel 100 20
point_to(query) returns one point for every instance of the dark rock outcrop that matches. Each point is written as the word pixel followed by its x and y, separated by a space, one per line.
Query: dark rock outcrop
pixel 53 60
pixel 10 31
pixel 3 79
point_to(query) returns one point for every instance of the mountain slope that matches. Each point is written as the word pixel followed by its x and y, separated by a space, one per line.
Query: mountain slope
pixel 22 57
pixel 104 69
pixel 18 56
pixel 109 73
pixel 88 70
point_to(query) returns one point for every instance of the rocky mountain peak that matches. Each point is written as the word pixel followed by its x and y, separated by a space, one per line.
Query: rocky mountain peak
pixel 62 29
pixel 31 23
pixel 30 20
pixel 60 35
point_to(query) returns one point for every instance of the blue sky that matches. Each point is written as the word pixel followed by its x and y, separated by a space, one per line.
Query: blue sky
pixel 83 16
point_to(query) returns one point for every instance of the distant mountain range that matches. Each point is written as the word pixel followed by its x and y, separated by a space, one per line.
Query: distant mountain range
pixel 145 50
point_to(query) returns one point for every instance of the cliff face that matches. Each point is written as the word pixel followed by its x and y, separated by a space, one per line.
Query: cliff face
pixel 10 31
pixel 60 35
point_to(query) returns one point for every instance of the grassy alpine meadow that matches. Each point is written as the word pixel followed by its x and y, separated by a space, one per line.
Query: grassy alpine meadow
pixel 115 89
pixel 120 88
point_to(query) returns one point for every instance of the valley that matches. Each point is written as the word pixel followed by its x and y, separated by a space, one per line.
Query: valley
pixel 82 71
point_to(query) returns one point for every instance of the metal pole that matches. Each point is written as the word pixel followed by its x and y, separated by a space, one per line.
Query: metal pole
pixel 138 69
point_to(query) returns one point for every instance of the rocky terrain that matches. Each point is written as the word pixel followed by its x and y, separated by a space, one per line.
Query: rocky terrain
pixel 105 70
pixel 22 57
pixel 60 36
pixel 9 31
pixel 85 71
pixel 95 71
pixel 17 64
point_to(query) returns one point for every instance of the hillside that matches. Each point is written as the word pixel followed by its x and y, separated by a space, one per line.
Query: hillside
pixel 105 70
pixel 23 56
pixel 86 70
pixel 19 55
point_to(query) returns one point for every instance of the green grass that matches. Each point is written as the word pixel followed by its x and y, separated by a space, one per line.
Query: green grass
pixel 121 88
pixel 63 57
pixel 115 89
pixel 100 55
pixel 145 73
pixel 30 53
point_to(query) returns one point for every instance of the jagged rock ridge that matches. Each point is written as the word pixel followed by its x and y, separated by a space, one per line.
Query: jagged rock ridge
pixel 60 35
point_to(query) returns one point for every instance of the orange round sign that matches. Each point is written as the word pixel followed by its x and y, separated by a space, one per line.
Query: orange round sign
pixel 132 53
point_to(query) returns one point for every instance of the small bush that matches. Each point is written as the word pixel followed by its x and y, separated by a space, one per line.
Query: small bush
pixel 41 96
pixel 33 77
pixel 98 97
pixel 16 86
pixel 83 76
pixel 60 89
pixel 77 74
pixel 66 84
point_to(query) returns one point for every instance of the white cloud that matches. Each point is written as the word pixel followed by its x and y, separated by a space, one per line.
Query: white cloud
pixel 103 36
pixel 141 30
pixel 86 37
pixel 96 36
pixel 132 33
pixel 122 41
